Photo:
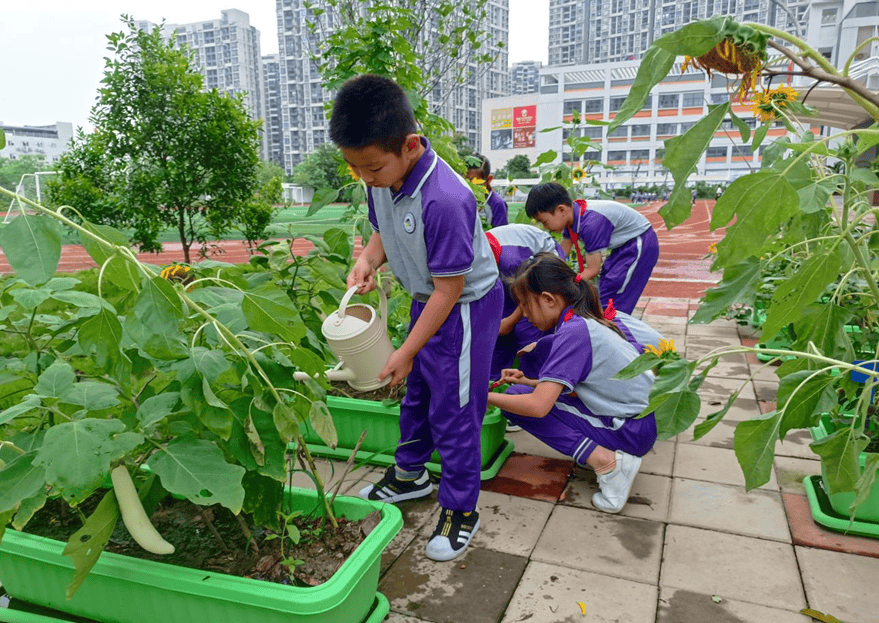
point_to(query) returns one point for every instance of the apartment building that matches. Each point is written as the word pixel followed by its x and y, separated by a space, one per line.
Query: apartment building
pixel 227 54
pixel 271 93
pixel 525 77
pixel 303 99
pixel 45 140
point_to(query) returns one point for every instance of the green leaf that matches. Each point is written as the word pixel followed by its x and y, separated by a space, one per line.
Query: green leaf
pixel 209 363
pixel 739 284
pixel 92 395
pixel 759 135
pixel 754 443
pixel 321 197
pixel 803 288
pixel 266 315
pixel 77 455
pixel 321 421
pixel 801 406
pixel 2 139
pixel 32 245
pixel 653 69
pixel 864 485
pixel 644 362
pixel 678 208
pixel 814 197
pixel 694 39
pixel 339 241
pixel 28 509
pixel 158 307
pixel 703 428
pixel 743 128
pixel 27 404
pixel 677 413
pixel 865 176
pixel 20 480
pixel 672 377
pixel 285 422
pixel 86 544
pixel 747 199
pixel 546 157
pixel 55 381
pixel 196 469
pixel 100 337
pixel 155 409
pixel 839 459
pixel 82 299
pixel 823 324
pixel 263 498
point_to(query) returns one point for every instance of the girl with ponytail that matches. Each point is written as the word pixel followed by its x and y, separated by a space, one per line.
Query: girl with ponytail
pixel 575 405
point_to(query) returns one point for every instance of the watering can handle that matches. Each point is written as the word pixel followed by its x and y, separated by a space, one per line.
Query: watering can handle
pixel 383 304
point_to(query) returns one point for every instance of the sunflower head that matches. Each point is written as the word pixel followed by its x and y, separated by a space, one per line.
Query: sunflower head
pixel 177 273
pixel 578 173
pixel 741 53
pixel 768 105
pixel 353 175
pixel 712 248
pixel 665 346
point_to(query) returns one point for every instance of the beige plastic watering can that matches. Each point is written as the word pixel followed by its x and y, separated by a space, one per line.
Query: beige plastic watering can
pixel 359 339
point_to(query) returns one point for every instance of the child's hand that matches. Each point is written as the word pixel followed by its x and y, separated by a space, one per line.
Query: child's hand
pixel 511 375
pixel 362 275
pixel 398 367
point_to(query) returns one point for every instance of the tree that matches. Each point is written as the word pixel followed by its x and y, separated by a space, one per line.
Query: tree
pixel 462 145
pixel 12 170
pixel 164 152
pixel 320 168
pixel 518 167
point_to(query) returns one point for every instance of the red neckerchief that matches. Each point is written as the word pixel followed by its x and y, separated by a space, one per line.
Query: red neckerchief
pixel 574 237
pixel 610 313
pixel 568 315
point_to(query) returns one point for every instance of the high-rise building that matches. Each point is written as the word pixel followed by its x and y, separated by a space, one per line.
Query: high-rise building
pixel 599 31
pixel 302 97
pixel 525 77
pixel 227 54
pixel 271 93
pixel 43 140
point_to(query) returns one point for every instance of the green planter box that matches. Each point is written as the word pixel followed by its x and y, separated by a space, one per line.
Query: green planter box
pixel 121 589
pixel 839 502
pixel 382 425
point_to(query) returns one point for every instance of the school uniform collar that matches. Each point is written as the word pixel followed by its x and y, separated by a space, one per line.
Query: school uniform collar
pixel 565 316
pixel 419 172
pixel 580 207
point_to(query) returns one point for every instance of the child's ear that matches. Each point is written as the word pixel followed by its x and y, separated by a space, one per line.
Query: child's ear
pixel 490 179
pixel 413 142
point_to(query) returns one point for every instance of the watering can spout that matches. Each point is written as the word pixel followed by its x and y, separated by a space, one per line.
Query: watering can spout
pixel 342 374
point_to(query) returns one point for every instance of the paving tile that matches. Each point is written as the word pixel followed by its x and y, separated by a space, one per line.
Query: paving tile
pixel 732 566
pixel 766 390
pixel 842 585
pixel 726 329
pixel 684 606
pixel 665 307
pixel 526 443
pixel 796 444
pixel 790 472
pixel 701 345
pixel 606 544
pixel 660 319
pixel 330 473
pixel 549 594
pixel 648 499
pixel 660 459
pixel 721 436
pixel 742 409
pixel 535 477
pixel 698 462
pixel 475 587
pixel 728 368
pixel 749 332
pixel 722 389
pixel 805 531
pixel 757 513
pixel 419 516
pixel 394 617
pixel 763 372
pixel 510 524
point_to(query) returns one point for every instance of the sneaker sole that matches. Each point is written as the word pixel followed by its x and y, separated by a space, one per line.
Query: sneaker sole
pixel 399 497
pixel 612 509
pixel 454 554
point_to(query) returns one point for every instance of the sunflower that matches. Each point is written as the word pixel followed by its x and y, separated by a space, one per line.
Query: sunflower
pixel 353 174
pixel 768 105
pixel 177 273
pixel 665 346
pixel 741 52
pixel 712 248
pixel 578 173
pixel 477 181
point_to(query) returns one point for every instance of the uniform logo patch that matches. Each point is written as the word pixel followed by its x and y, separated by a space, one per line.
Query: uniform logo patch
pixel 409 222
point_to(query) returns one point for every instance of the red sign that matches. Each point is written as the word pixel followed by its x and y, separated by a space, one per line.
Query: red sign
pixel 525 116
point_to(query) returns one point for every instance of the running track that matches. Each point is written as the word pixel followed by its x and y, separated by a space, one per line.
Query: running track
pixel 681 272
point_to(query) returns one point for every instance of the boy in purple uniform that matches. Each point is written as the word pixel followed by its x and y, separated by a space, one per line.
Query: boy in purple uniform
pixel 575 405
pixel 495 211
pixel 633 245
pixel 425 223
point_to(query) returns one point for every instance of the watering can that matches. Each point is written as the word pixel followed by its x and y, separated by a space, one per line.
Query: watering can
pixel 359 339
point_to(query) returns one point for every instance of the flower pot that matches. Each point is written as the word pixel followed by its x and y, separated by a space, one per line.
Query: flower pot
pixel 352 416
pixel 839 502
pixel 121 589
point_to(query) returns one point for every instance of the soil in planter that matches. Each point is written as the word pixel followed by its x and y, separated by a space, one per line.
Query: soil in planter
pixel 342 389
pixel 187 526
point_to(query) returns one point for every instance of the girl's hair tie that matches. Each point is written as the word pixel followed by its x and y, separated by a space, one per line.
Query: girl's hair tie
pixel 577 278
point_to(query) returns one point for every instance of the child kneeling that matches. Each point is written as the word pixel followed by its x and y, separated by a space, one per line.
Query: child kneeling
pixel 575 405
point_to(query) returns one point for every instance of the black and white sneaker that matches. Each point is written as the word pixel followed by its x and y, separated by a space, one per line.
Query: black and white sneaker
pixel 452 534
pixel 391 489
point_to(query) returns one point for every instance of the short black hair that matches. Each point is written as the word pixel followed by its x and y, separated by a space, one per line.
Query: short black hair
pixel 484 167
pixel 372 110
pixel 545 198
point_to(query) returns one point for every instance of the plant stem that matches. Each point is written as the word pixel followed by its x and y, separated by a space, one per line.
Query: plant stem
pixel 247 533
pixel 823 141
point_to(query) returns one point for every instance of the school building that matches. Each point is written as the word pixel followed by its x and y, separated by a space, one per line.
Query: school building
pixel 534 123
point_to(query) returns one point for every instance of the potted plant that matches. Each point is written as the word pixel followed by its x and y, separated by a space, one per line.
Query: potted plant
pixel 187 374
pixel 796 208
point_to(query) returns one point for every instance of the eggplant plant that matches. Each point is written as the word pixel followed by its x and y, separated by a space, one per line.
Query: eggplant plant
pixel 184 382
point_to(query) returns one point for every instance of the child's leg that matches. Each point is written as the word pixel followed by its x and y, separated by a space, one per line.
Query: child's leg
pixel 627 270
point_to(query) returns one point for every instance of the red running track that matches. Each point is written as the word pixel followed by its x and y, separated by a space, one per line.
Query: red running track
pixel 681 272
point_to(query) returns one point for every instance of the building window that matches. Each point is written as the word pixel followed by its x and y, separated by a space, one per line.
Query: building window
pixel 828 17
pixel 693 99
pixel 687 126
pixel 641 130
pixel 716 152
pixel 640 154
pixel 592 132
pixel 719 98
pixel 591 155
pixel 570 107
pixel 666 129
pixel 616 156
pixel 742 150
pixel 669 100
pixel 619 132
pixel 616 103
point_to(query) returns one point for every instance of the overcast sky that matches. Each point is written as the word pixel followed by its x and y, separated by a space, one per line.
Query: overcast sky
pixel 52 53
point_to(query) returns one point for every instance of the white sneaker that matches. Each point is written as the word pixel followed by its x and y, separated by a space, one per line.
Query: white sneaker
pixel 616 485
pixel 512 428
pixel 452 534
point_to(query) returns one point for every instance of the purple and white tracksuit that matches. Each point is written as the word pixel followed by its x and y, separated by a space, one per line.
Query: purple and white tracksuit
pixel 638 332
pixel 633 246
pixel 495 211
pixel 517 243
pixel 584 356
pixel 429 228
